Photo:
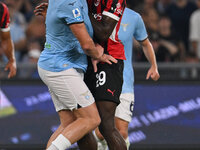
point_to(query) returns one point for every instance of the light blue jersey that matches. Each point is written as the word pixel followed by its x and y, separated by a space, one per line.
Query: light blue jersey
pixel 132 26
pixel 62 50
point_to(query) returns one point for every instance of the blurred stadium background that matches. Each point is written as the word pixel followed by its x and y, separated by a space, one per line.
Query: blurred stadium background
pixel 166 113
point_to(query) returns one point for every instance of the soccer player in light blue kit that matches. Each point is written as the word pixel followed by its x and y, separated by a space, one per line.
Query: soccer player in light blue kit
pixel 61 66
pixel 132 26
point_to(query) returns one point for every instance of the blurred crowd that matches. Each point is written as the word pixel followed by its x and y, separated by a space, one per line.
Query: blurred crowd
pixel 173 27
pixel 27 31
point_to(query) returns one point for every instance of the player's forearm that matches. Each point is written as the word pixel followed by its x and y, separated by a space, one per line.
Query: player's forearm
pixel 86 42
pixel 90 49
pixel 149 53
pixel 8 48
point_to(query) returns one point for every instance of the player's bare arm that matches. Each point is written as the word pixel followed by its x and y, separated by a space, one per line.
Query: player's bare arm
pixel 150 55
pixel 87 44
pixel 8 48
pixel 103 29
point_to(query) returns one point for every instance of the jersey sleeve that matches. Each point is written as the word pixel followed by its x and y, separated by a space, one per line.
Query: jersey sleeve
pixel 5 18
pixel 140 33
pixel 71 12
pixel 114 8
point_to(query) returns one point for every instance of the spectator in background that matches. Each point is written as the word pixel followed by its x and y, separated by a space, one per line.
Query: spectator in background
pixel 148 4
pixel 17 28
pixel 33 54
pixel 26 8
pixel 151 18
pixel 170 40
pixel 195 31
pixel 161 51
pixel 145 5
pixel 179 13
pixel 36 30
pixel 163 5
pixel 161 48
pixel 159 5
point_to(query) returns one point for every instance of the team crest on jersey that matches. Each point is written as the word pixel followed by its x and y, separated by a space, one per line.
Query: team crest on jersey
pixel 124 26
pixel 96 3
pixel 76 12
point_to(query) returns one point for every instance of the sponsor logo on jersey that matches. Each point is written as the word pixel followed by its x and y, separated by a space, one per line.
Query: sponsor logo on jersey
pixel 112 92
pixel 47 45
pixel 98 16
pixel 77 14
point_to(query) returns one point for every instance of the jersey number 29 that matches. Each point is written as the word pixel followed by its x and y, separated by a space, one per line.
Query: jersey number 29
pixel 101 78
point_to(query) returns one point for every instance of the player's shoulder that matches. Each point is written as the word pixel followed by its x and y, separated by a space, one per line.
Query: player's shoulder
pixel 69 7
pixel 69 3
pixel 132 13
pixel 65 7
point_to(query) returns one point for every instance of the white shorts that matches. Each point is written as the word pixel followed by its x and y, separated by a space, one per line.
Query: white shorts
pixel 67 88
pixel 124 110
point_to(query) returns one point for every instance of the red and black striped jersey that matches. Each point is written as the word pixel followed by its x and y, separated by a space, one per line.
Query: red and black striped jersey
pixel 113 9
pixel 4 18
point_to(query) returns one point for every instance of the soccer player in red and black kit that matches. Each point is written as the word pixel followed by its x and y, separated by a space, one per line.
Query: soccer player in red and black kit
pixel 6 42
pixel 105 81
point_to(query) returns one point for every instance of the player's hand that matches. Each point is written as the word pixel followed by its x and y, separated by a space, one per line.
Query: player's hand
pixel 99 48
pixel 11 66
pixel 41 10
pixel 104 58
pixel 153 73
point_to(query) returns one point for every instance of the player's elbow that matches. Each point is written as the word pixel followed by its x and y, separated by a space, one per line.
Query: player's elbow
pixel 146 43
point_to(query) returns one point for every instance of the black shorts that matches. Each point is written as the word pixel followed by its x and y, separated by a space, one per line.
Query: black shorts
pixel 106 83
